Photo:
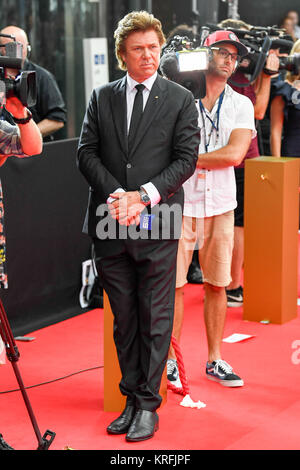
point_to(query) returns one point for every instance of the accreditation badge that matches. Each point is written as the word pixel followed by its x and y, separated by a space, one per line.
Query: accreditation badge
pixel 146 221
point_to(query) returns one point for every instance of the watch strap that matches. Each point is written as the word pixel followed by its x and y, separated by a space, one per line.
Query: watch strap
pixel 23 120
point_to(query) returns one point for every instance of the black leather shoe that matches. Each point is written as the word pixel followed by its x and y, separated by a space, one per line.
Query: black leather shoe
pixel 143 426
pixel 123 422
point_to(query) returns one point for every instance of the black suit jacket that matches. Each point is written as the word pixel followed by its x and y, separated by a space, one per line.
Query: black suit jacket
pixel 165 150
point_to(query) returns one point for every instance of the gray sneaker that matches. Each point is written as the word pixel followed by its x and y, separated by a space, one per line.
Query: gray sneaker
pixel 173 373
pixel 221 372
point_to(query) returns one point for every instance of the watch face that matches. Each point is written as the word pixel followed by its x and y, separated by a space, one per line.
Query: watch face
pixel 145 198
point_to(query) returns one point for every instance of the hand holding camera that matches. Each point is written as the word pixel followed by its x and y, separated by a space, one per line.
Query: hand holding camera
pixel 24 85
pixel 16 108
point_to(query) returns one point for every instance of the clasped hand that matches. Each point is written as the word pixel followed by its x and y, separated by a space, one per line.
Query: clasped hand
pixel 126 207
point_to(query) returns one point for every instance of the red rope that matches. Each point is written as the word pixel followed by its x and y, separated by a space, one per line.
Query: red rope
pixel 185 387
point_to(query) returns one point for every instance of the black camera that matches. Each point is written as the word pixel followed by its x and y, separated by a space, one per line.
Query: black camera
pixel 24 85
pixel 291 63
pixel 184 61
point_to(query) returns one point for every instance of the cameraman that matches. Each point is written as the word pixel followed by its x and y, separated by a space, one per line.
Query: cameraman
pixel 49 111
pixel 285 113
pixel 20 140
pixel 226 121
pixel 259 94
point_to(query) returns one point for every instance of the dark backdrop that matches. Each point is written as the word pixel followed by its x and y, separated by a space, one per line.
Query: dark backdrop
pixel 266 12
pixel 255 12
pixel 45 199
pixel 174 12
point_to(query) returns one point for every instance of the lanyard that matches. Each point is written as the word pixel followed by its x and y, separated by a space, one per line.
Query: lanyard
pixel 214 122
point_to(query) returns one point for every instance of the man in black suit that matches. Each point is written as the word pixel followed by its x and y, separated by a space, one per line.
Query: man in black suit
pixel 139 143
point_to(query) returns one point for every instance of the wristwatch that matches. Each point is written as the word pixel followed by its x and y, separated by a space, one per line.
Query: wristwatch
pixel 23 120
pixel 145 199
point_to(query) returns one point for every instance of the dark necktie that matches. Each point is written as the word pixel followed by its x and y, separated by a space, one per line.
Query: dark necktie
pixel 136 115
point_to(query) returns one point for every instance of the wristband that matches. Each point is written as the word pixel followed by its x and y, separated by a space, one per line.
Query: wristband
pixel 270 72
pixel 23 120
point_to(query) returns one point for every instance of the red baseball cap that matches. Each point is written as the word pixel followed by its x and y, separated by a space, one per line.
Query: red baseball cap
pixel 228 37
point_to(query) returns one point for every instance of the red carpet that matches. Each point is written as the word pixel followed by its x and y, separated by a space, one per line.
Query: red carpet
pixel 264 414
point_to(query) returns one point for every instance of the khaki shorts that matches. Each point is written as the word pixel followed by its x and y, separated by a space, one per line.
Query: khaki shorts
pixel 215 243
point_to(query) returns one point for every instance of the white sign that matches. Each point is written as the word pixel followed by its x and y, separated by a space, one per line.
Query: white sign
pixel 236 337
pixel 95 59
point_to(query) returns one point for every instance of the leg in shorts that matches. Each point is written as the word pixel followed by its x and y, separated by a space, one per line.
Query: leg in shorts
pixel 215 242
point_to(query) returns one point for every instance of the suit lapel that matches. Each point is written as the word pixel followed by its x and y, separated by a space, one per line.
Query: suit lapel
pixel 119 113
pixel 154 104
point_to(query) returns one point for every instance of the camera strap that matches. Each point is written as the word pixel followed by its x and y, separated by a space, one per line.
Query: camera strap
pixel 214 122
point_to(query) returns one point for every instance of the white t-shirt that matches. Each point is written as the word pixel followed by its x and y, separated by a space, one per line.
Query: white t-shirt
pixel 213 192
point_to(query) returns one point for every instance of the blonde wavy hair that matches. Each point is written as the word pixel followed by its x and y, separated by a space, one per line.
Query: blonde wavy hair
pixel 290 77
pixel 135 21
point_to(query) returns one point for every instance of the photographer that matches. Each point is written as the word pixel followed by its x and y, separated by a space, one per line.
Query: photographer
pixel 226 121
pixel 20 140
pixel 288 25
pixel 259 94
pixel 285 114
pixel 293 15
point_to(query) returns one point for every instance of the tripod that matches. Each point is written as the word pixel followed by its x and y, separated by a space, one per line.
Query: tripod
pixel 13 356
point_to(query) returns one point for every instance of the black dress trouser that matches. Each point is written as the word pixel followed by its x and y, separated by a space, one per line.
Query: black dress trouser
pixel 140 284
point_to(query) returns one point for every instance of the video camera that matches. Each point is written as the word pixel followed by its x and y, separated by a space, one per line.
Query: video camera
pixel 184 61
pixel 259 41
pixel 24 85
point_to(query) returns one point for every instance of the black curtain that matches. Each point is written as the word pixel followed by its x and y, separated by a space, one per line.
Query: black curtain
pixel 261 12
pixel 44 199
